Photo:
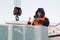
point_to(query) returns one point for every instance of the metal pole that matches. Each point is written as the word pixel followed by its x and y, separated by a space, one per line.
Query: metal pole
pixel 23 32
pixel 10 32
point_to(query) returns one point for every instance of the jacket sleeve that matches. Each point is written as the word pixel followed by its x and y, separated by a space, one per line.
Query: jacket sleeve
pixel 45 22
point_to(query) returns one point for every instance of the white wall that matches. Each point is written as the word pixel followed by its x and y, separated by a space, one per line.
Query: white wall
pixel 6 8
pixel 29 7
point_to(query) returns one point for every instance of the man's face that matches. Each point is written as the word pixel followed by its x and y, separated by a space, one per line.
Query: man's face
pixel 39 14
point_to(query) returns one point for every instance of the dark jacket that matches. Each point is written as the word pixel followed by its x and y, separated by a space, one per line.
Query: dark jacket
pixel 45 22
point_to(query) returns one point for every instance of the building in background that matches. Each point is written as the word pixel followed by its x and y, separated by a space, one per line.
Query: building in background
pixel 54 32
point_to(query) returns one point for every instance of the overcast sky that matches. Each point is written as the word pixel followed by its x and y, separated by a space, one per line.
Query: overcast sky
pixel 51 7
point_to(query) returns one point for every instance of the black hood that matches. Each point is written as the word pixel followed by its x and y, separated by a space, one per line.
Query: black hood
pixel 40 10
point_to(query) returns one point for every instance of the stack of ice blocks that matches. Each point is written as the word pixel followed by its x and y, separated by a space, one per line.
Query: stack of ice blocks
pixel 23 32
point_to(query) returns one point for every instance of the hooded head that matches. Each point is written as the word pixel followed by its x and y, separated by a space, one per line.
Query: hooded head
pixel 41 11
